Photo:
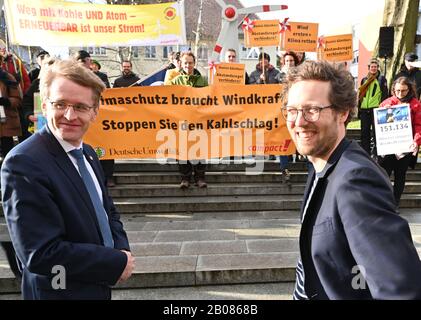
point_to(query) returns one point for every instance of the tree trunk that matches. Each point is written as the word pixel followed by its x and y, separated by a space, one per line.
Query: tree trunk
pixel 403 15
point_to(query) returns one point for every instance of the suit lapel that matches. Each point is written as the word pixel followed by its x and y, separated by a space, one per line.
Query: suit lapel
pixel 65 164
pixel 98 175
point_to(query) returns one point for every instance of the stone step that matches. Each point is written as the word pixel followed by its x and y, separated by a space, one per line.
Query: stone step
pixel 225 177
pixel 221 248
pixel 222 189
pixel 149 165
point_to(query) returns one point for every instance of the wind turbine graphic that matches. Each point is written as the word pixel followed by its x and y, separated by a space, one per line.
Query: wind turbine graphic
pixel 228 37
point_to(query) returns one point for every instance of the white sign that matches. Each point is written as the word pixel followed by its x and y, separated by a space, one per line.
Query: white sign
pixel 393 129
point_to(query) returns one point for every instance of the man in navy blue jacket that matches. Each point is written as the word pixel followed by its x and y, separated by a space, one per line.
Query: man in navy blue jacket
pixel 66 231
pixel 353 244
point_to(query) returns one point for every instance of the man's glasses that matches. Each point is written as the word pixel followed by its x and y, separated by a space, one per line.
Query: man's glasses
pixel 310 114
pixel 78 107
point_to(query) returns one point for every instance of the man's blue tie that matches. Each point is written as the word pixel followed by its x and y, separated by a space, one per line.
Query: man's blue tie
pixel 96 201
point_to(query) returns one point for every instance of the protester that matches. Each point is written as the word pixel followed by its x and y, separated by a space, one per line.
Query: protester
pixel 33 74
pixel 58 212
pixel 28 102
pixel 10 101
pixel 128 77
pixel 85 59
pixel 174 60
pixel 265 73
pixel 231 57
pixel 95 67
pixel 410 71
pixel 353 245
pixel 189 77
pixel 403 91
pixel 372 91
pixel 12 64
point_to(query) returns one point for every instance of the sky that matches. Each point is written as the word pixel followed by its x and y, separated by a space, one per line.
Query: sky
pixel 328 13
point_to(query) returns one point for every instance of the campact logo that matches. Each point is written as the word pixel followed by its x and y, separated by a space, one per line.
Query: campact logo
pixel 100 152
pixel 170 13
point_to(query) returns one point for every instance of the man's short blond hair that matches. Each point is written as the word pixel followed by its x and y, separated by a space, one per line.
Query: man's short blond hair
pixel 73 71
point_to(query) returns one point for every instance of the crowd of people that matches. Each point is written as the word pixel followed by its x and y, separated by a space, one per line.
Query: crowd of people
pixel 59 212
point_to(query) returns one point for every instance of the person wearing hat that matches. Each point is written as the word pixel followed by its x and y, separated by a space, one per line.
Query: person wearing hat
pixel 95 67
pixel 411 72
pixel 265 73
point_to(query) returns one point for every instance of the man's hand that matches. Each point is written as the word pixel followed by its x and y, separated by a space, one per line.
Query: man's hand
pixel 129 267
pixel 414 148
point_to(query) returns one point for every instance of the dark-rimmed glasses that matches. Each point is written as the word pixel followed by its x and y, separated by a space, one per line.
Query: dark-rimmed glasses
pixel 310 114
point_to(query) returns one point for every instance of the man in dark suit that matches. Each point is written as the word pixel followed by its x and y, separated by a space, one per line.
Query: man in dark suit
pixel 64 226
pixel 353 244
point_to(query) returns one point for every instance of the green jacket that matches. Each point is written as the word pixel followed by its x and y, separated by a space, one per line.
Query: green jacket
pixel 195 80
pixel 376 93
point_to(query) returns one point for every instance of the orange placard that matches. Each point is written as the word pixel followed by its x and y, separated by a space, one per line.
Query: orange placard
pixel 337 48
pixel 190 123
pixel 265 33
pixel 301 37
pixel 228 73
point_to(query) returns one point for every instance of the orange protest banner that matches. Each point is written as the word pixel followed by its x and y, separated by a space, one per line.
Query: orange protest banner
pixel 337 48
pixel 301 37
pixel 190 123
pixel 228 73
pixel 264 33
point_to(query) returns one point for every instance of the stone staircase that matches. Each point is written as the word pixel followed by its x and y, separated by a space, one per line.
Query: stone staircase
pixel 242 230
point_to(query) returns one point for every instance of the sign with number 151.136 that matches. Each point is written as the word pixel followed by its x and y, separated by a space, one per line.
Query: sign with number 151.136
pixel 393 129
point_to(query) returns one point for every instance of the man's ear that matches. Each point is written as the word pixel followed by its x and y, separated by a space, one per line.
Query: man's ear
pixel 94 114
pixel 343 115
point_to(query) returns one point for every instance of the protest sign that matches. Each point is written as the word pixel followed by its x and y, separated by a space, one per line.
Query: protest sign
pixel 229 73
pixel 393 129
pixel 302 36
pixel 61 23
pixel 264 33
pixel 337 48
pixel 182 122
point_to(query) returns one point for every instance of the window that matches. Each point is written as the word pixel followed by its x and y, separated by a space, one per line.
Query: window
pixel 167 50
pixel 135 52
pixel 96 51
pixel 249 53
pixel 202 53
pixel 150 52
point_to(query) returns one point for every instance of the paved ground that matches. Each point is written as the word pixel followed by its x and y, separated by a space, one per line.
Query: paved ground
pixel 260 291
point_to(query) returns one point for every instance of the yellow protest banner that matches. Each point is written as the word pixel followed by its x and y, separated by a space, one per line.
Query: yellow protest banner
pixel 190 123
pixel 264 33
pixel 337 48
pixel 60 23
pixel 301 37
pixel 230 73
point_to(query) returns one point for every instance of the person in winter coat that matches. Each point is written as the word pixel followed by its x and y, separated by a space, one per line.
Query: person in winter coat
pixel 413 73
pixel 270 74
pixel 128 78
pixel 403 92
pixel 189 76
pixel 371 93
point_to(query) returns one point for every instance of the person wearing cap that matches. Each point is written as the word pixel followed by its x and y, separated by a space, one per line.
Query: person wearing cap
pixel 412 73
pixel 34 73
pixel 265 73
pixel 95 67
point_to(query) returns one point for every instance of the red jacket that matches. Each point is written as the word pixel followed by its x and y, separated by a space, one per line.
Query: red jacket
pixel 415 106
